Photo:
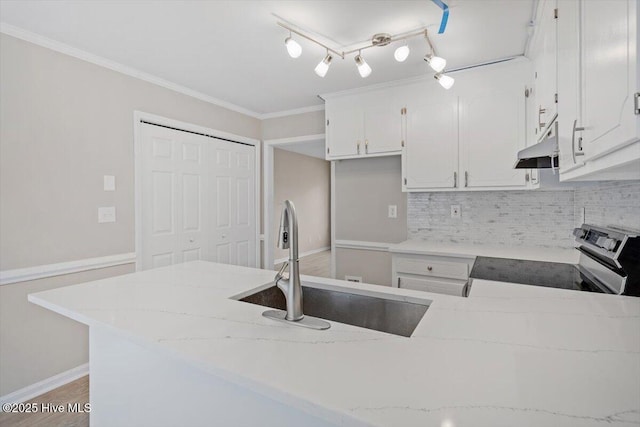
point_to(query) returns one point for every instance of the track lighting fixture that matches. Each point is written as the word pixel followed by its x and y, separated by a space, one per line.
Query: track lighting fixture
pixel 293 47
pixel 323 66
pixel 378 40
pixel 444 80
pixel 363 68
pixel 435 62
pixel 401 53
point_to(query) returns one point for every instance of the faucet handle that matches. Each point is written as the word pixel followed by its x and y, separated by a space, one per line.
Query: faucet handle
pixel 280 274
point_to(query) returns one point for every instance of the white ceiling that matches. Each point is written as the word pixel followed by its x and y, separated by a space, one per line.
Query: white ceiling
pixel 234 51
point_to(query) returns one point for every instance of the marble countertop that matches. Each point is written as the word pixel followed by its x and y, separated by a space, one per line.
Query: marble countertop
pixel 467 250
pixel 509 355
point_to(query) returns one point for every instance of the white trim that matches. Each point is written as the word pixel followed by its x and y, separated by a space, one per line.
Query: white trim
pixel 50 270
pixel 267 179
pixel 333 220
pixel 303 254
pixel 41 387
pixel 165 121
pixel 366 246
pixel 57 46
pixel 292 112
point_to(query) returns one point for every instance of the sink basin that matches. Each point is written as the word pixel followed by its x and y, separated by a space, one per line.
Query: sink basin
pixel 380 314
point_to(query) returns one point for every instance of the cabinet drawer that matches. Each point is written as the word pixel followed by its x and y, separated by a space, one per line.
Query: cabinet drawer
pixel 432 285
pixel 425 267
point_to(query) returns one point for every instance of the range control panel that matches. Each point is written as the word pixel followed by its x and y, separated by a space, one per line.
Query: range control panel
pixel 598 238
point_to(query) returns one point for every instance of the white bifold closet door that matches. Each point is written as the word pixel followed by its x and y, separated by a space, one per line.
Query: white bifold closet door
pixel 198 199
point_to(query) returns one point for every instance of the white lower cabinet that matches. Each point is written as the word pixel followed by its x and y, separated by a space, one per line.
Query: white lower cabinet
pixel 427 273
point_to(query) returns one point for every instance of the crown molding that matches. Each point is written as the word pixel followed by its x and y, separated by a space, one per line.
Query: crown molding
pixel 57 46
pixel 292 112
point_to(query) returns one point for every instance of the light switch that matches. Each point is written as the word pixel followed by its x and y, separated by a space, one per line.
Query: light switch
pixel 455 211
pixel 109 183
pixel 107 214
pixel 393 211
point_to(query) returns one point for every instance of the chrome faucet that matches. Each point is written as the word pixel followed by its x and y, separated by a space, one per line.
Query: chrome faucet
pixel 288 239
pixel 291 287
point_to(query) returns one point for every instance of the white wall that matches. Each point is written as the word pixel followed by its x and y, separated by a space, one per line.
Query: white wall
pixel 306 181
pixel 64 123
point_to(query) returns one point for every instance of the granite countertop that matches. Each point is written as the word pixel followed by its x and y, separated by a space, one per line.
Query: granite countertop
pixel 508 355
pixel 469 250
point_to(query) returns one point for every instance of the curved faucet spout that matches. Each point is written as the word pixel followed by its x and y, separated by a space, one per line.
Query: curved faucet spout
pixel 288 239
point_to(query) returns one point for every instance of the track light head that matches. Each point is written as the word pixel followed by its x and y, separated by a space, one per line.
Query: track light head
pixel 444 80
pixel 323 66
pixel 293 47
pixel 435 62
pixel 401 53
pixel 363 68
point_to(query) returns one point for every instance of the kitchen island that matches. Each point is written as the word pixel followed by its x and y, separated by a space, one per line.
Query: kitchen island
pixel 174 346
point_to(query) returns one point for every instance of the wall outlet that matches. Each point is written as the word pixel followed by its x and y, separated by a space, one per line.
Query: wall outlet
pixel 393 211
pixel 356 279
pixel 455 211
pixel 107 214
pixel 109 183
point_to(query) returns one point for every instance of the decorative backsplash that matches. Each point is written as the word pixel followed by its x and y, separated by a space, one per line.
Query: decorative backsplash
pixel 609 203
pixel 531 218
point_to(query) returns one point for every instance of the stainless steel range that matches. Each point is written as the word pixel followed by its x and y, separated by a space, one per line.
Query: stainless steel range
pixel 609 263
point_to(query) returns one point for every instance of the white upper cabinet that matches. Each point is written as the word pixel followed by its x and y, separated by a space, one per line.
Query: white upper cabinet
pixel 543 50
pixel 598 84
pixel 430 157
pixel 363 125
pixel 343 128
pixel 492 127
pixel 609 73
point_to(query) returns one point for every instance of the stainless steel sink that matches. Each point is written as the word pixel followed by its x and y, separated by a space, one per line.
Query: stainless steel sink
pixel 380 314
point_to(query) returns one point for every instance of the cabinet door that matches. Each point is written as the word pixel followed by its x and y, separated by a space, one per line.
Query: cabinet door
pixel 544 57
pixel 343 129
pixel 492 131
pixel 430 157
pixel 382 123
pixel 609 73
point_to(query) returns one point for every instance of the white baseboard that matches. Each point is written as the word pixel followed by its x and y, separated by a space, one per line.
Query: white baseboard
pixel 33 390
pixel 365 246
pixel 49 270
pixel 303 254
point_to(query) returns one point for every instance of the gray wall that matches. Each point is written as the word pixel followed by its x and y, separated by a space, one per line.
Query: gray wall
pixel 64 124
pixel 305 180
pixel 364 189
pixel 533 218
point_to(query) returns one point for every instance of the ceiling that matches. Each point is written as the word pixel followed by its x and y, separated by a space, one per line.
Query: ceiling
pixel 234 51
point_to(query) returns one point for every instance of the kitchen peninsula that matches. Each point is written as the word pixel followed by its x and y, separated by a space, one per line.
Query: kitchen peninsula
pixel 174 346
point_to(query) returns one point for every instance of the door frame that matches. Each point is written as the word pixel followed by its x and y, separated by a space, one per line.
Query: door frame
pixel 267 178
pixel 165 121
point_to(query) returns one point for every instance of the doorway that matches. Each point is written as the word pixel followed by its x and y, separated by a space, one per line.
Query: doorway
pixel 196 195
pixel 295 169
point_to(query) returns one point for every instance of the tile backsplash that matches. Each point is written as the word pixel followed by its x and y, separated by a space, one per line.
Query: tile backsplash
pixel 531 218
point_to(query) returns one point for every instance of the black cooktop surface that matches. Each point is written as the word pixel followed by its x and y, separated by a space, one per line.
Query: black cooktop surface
pixel 536 273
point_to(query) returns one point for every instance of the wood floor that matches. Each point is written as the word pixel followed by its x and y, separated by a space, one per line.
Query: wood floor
pixel 78 391
pixel 74 392
pixel 315 265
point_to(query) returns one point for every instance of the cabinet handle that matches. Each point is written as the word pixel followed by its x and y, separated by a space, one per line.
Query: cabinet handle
pixel 541 111
pixel 466 178
pixel 358 145
pixel 398 282
pixel 455 179
pixel 366 146
pixel 573 141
